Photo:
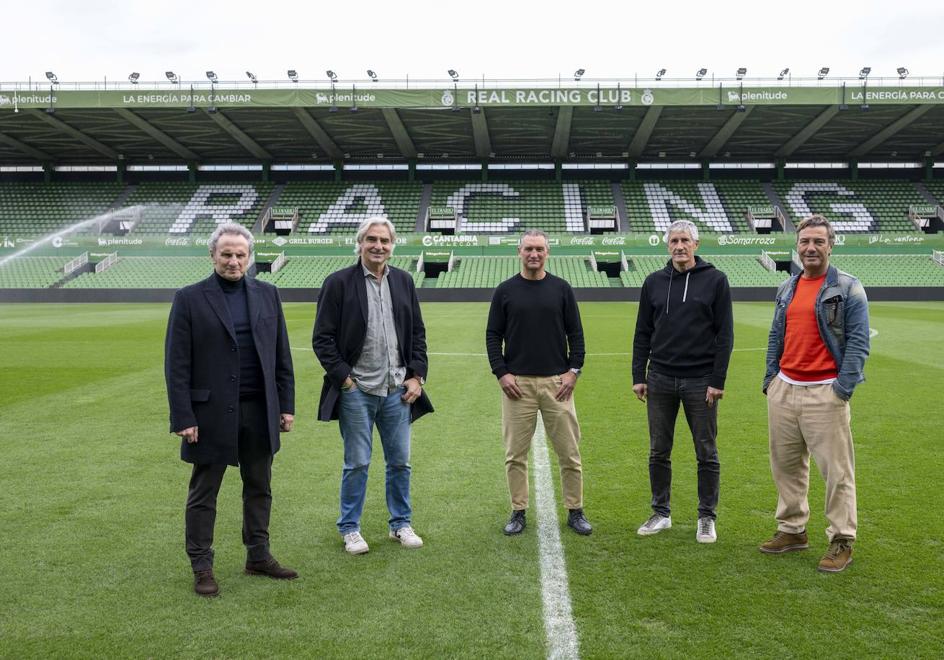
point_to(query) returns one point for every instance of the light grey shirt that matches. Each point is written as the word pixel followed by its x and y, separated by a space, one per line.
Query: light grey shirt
pixel 379 370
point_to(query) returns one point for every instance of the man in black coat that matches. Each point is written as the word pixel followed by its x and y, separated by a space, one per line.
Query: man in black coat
pixel 231 390
pixel 370 338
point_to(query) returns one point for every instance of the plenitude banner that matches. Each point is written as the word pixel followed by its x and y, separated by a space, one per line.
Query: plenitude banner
pixel 174 96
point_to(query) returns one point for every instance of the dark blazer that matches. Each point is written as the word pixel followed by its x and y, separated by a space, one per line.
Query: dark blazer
pixel 341 328
pixel 201 366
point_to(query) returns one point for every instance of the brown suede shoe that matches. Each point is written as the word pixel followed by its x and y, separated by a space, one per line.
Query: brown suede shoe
pixel 837 557
pixel 204 584
pixel 271 568
pixel 785 542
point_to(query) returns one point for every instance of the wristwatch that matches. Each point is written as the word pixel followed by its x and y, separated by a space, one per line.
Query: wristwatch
pixel 575 371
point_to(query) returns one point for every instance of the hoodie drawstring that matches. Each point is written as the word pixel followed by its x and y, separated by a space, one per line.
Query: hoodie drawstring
pixel 685 292
pixel 668 293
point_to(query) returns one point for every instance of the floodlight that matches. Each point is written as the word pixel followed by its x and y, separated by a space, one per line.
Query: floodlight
pixel 864 72
pixel 700 74
pixel 741 72
pixel 331 75
pixel 578 74
pixel 822 73
pixel 902 73
pixel 293 75
pixel 659 74
pixel 133 77
pixel 211 76
pixel 783 73
pixel 171 76
pixel 252 77
pixel 373 76
pixel 52 78
pixel 452 74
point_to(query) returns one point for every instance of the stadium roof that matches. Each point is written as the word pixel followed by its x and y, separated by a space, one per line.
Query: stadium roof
pixel 452 123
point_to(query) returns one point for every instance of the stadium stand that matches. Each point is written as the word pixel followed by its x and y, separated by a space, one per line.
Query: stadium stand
pixel 340 207
pixel 653 206
pixel 187 208
pixel 31 272
pixel 145 273
pixel 310 272
pixel 510 206
pixel 891 269
pixel 936 188
pixel 868 205
pixel 31 209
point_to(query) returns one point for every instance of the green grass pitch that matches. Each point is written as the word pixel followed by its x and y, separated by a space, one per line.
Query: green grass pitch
pixel 93 492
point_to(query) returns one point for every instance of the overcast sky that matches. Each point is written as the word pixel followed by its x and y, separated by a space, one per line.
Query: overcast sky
pixel 88 40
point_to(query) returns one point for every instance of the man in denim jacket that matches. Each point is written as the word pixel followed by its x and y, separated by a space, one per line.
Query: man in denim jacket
pixel 817 347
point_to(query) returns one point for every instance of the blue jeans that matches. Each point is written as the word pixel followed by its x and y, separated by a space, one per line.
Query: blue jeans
pixel 358 414
pixel 665 395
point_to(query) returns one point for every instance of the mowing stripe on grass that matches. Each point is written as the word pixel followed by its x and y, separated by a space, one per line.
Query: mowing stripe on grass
pixel 559 625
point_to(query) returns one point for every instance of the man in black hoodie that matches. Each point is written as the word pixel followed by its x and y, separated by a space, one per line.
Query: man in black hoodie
pixel 685 332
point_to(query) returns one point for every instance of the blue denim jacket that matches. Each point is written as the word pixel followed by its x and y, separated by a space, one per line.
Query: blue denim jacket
pixel 842 314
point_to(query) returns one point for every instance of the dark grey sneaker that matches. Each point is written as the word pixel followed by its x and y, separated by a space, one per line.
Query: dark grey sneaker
pixel 578 522
pixel 516 523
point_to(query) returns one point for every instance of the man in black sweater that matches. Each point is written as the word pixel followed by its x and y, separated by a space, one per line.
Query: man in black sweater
pixel 685 332
pixel 535 315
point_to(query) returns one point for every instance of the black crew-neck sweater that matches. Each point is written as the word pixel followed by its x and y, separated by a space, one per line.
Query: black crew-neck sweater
pixel 537 321
pixel 250 368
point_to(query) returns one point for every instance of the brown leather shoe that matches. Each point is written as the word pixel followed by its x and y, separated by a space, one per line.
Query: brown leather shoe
pixel 271 568
pixel 837 557
pixel 204 584
pixel 785 542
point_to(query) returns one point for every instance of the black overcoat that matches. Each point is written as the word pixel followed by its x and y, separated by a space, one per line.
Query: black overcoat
pixel 341 328
pixel 201 367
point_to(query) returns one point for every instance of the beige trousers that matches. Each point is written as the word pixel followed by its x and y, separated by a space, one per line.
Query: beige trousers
pixel 803 421
pixel 519 418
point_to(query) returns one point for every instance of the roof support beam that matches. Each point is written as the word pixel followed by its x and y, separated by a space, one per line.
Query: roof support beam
pixel 320 136
pixel 25 148
pixel 889 131
pixel 88 141
pixel 561 145
pixel 724 133
pixel 938 150
pixel 806 132
pixel 641 138
pixel 248 143
pixel 157 134
pixel 403 139
pixel 483 143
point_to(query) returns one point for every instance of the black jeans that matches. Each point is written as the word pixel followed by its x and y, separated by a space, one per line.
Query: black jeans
pixel 255 468
pixel 664 396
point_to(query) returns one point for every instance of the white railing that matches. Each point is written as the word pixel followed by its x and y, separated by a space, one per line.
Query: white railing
pixel 767 262
pixel 106 263
pixel 75 264
pixel 938 257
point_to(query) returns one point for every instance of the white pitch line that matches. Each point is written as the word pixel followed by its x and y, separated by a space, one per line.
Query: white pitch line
pixel 559 627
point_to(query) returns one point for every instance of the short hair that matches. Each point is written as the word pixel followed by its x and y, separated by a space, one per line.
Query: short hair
pixel 365 226
pixel 683 225
pixel 230 228
pixel 817 220
pixel 534 232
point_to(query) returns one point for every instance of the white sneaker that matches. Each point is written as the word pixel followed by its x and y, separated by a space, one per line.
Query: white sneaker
pixel 706 531
pixel 407 537
pixel 355 544
pixel 654 525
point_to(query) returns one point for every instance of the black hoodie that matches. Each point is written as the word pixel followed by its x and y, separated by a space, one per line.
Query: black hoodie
pixel 685 326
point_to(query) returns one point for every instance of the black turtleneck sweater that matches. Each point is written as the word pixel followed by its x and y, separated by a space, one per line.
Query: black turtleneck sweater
pixel 250 369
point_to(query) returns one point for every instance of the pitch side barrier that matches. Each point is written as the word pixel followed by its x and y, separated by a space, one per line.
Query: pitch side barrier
pixel 467 244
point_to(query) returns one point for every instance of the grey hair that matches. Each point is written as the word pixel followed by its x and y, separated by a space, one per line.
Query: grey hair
pixel 683 225
pixel 365 227
pixel 818 220
pixel 230 228
pixel 534 232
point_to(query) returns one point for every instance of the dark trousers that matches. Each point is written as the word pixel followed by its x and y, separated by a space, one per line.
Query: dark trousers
pixel 664 396
pixel 255 468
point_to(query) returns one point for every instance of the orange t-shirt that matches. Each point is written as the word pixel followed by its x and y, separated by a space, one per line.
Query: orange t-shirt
pixel 805 356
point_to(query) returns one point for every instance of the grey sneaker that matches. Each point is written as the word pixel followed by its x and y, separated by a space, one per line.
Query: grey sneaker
pixel 654 525
pixel 706 531
pixel 407 537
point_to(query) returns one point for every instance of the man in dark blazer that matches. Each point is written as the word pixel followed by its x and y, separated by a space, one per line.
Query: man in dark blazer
pixel 370 339
pixel 231 390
